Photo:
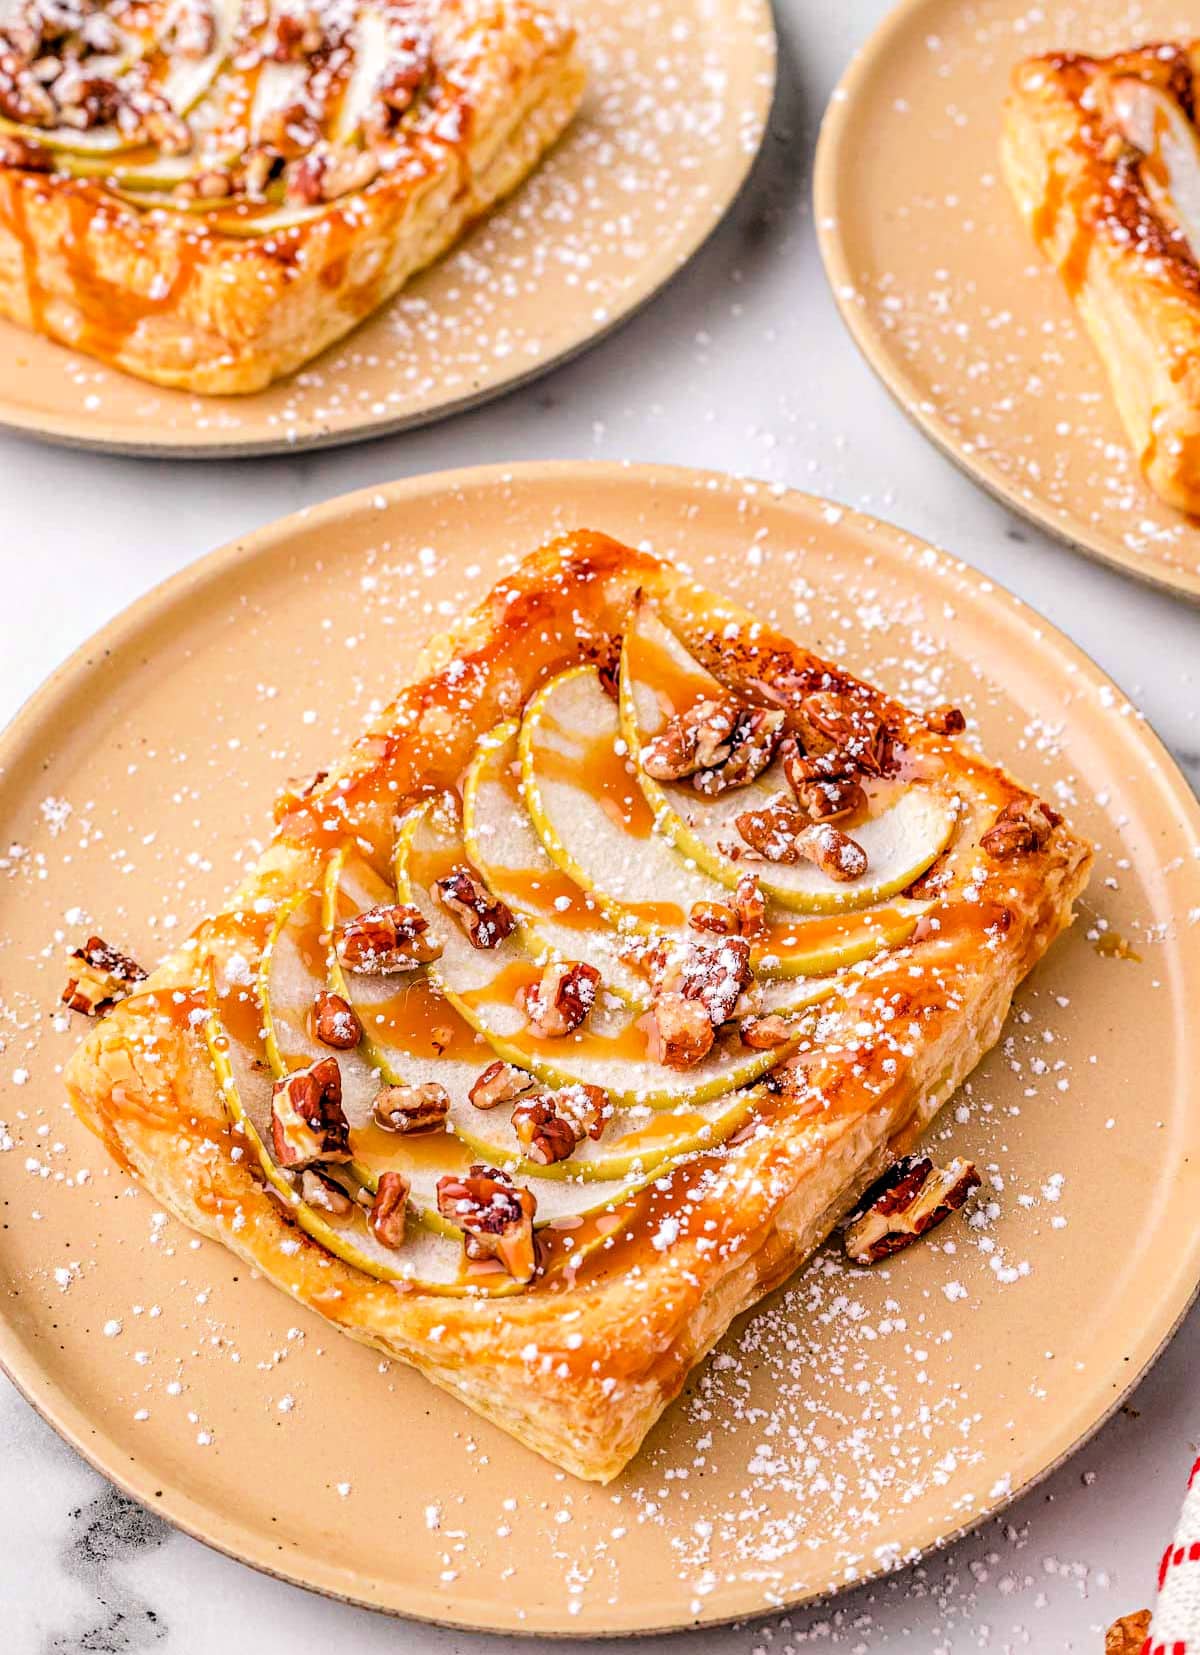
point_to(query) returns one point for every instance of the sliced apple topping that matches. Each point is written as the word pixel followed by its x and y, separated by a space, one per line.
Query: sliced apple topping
pixel 611 1049
pixel 558 917
pixel 1155 124
pixel 889 834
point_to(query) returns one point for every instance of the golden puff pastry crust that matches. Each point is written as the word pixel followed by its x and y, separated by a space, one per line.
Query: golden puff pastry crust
pixel 332 152
pixel 580 1362
pixel 1103 159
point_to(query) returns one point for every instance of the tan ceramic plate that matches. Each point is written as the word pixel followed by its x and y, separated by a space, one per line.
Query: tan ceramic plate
pixel 853 1422
pixel 673 117
pixel 941 286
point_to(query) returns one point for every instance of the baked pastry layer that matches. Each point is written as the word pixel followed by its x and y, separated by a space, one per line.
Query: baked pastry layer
pixel 275 220
pixel 1103 159
pixel 580 1361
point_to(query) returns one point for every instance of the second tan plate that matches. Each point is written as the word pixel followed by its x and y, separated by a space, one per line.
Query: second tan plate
pixel 675 110
pixel 945 293
pixel 855 1419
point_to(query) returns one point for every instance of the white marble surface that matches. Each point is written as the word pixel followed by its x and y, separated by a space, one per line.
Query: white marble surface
pixel 742 364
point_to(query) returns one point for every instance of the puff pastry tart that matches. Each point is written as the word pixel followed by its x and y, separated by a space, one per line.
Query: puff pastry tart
pixel 1103 157
pixel 206 193
pixel 568 1013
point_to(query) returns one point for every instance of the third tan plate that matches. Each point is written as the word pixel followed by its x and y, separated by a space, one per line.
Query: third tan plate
pixel 946 295
pixel 856 1418
pixel 676 106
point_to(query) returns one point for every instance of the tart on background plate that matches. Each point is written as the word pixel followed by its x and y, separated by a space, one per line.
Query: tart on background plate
pixel 565 1016
pixel 207 193
pixel 1103 158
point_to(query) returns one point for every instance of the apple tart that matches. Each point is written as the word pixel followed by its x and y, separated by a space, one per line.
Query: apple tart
pixel 1103 158
pixel 568 1013
pixel 207 193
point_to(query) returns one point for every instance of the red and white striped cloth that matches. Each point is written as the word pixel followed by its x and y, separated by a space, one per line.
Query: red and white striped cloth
pixel 1175 1627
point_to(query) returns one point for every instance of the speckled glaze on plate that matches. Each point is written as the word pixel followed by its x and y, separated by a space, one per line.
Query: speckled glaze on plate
pixel 944 291
pixel 674 113
pixel 851 1422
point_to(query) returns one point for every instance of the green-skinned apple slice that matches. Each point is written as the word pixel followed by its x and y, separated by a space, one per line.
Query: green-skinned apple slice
pixel 571 733
pixel 905 830
pixel 412 1021
pixel 609 1050
pixel 431 1259
pixel 559 919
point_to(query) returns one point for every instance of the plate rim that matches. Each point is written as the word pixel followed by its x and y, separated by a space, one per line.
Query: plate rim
pixel 833 143
pixel 760 37
pixel 224 1532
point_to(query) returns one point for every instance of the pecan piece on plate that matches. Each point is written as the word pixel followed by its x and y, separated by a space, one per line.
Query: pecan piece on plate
pixel 679 1031
pixel 385 939
pixel 484 918
pixel 1128 1635
pixel 389 1210
pixel 499 1083
pixel 562 999
pixel 1023 826
pixel 550 1124
pixel 412 1108
pixel 911 1199
pixel 100 976
pixel 335 1021
pixel 946 720
pixel 307 1121
pixel 495 1216
pixel 322 1193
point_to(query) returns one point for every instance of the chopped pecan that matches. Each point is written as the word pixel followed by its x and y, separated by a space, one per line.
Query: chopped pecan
pixel 86 101
pixel 1023 826
pixel 698 739
pixel 322 1193
pixel 1128 1635
pixel 307 1121
pixel 495 1215
pixel 780 833
pixel 946 720
pixel 23 156
pixel 749 906
pixel 550 1124
pixel 499 1083
pixel 389 1210
pixel 101 977
pixel 720 744
pixel 772 829
pixel 335 1021
pixel 299 34
pixel 753 743
pixel 912 1198
pixel 563 998
pixel 483 917
pixel 825 788
pixel 715 974
pixel 412 1108
pixel 327 173
pixel 289 130
pixel 761 1033
pixel 388 938
pixel 716 917
pixel 852 728
pixel 679 1032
